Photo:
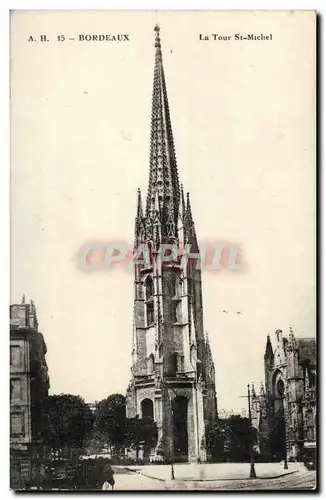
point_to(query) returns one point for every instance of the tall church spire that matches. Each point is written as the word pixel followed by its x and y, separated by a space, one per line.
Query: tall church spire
pixel 170 354
pixel 163 175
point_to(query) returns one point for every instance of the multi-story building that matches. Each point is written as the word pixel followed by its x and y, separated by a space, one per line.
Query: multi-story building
pixel 29 385
pixel 284 414
pixel 173 375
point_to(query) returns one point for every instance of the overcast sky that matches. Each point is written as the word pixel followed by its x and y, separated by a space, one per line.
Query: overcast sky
pixel 243 120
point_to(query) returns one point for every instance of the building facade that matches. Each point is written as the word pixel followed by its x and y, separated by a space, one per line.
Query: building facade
pixel 29 385
pixel 173 374
pixel 285 412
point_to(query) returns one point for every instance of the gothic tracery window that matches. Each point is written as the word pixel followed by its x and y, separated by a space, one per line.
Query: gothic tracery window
pixel 280 388
pixel 149 288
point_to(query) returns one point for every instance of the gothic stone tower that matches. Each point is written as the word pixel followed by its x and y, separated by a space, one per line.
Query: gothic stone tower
pixel 173 375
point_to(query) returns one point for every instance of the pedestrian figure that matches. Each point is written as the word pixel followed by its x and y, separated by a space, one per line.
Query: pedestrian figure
pixel 108 475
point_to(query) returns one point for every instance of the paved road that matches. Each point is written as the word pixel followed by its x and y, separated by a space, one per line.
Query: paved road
pixel 132 480
pixel 129 480
pixel 141 478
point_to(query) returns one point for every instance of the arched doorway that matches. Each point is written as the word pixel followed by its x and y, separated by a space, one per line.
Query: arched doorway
pixel 148 430
pixel 180 428
pixel 147 408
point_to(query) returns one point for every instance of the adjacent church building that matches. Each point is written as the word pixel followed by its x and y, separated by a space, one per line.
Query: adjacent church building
pixel 173 375
pixel 284 412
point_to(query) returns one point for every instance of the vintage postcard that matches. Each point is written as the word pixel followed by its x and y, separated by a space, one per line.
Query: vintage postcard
pixel 163 205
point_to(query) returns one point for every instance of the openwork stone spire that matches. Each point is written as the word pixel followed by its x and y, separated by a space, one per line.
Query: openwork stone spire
pixel 163 189
pixel 269 349
pixel 139 218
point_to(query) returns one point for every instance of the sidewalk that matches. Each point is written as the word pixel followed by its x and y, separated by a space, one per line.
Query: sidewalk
pixel 214 472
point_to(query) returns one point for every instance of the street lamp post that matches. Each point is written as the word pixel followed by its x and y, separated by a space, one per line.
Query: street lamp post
pixel 285 437
pixel 252 474
pixel 172 447
pixel 285 460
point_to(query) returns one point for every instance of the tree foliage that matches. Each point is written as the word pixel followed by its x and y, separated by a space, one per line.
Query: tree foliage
pixel 141 432
pixel 69 421
pixel 110 420
pixel 114 428
pixel 214 439
pixel 229 439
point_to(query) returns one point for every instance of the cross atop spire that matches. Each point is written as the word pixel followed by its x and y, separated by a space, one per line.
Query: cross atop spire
pixel 163 188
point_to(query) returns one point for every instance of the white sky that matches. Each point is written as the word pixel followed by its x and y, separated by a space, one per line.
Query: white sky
pixel 243 120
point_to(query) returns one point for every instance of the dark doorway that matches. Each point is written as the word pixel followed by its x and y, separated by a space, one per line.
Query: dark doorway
pixel 180 428
pixel 278 436
pixel 278 443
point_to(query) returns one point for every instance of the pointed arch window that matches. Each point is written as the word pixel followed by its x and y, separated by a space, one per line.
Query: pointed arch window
pixel 149 287
pixel 280 388
pixel 149 295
